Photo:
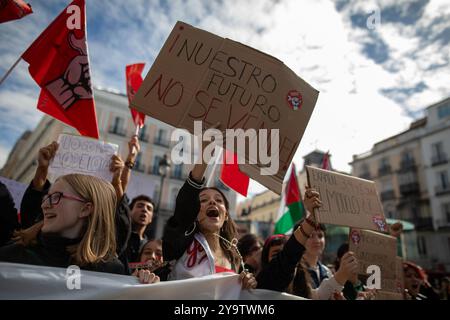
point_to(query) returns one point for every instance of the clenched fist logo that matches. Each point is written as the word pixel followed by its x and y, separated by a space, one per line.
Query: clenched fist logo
pixel 75 83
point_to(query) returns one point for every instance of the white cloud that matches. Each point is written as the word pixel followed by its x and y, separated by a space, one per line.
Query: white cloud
pixel 311 37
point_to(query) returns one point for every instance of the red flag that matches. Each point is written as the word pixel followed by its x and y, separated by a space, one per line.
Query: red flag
pixel 134 81
pixel 59 63
pixel 232 176
pixel 326 161
pixel 13 9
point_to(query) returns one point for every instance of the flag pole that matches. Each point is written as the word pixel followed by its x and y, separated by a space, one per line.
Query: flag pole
pixel 213 170
pixel 10 69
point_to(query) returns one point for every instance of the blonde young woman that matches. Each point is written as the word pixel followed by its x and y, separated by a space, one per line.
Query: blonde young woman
pixel 78 228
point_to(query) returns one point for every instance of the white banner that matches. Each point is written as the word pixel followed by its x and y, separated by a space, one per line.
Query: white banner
pixel 17 189
pixel 77 154
pixel 21 281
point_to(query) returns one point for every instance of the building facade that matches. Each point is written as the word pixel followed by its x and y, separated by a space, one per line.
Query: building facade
pixel 115 126
pixel 411 170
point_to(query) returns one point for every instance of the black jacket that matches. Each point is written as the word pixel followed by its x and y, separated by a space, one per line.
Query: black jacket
pixel 30 207
pixel 51 251
pixel 8 215
pixel 278 274
pixel 180 228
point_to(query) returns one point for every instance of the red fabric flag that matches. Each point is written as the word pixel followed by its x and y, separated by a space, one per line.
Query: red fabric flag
pixel 59 63
pixel 326 161
pixel 134 81
pixel 292 189
pixel 13 9
pixel 232 176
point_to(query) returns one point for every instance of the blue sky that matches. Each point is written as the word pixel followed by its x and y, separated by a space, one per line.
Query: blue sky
pixel 373 81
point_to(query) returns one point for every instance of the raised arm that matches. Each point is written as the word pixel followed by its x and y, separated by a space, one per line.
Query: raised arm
pixel 133 149
pixel 30 207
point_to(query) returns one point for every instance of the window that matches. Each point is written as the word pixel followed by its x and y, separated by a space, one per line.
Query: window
pixel 444 111
pixel 161 137
pixel 421 245
pixel 446 211
pixel 143 134
pixel 118 125
pixel 138 166
pixel 155 169
pixel 437 153
pixel 443 180
pixel 178 171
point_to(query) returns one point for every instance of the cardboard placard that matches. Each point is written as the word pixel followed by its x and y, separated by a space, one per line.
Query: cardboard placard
pixel 346 200
pixel 373 248
pixel 386 295
pixel 199 76
pixel 77 154
pixel 17 189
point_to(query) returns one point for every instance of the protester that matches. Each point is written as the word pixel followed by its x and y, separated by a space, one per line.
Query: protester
pixel 151 259
pixel 78 228
pixel 8 215
pixel 272 246
pixel 141 213
pixel 297 269
pixel 200 238
pixel 416 284
pixel 445 289
pixel 250 247
pixel 353 289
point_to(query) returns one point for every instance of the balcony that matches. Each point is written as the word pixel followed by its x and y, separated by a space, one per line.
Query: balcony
pixel 441 190
pixel 387 195
pixel 439 159
pixel 423 223
pixel 118 131
pixel 385 170
pixel 409 188
pixel 365 175
pixel 161 142
pixel 407 166
pixel 143 138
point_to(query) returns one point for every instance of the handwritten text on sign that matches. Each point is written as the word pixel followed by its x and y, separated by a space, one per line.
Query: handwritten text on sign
pixel 201 76
pixel 346 200
pixel 83 155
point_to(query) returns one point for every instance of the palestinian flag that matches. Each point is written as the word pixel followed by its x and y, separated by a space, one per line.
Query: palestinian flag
pixel 291 207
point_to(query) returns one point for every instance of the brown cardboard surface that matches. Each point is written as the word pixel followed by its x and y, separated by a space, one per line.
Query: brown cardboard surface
pixel 347 200
pixel 373 248
pixel 201 76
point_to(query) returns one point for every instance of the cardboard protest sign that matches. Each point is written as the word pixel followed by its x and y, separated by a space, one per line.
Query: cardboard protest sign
pixel 373 248
pixel 347 200
pixel 199 76
pixel 77 154
pixel 17 189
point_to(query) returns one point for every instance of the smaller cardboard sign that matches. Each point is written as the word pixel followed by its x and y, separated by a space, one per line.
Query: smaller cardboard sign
pixel 346 200
pixel 17 189
pixel 373 248
pixel 77 154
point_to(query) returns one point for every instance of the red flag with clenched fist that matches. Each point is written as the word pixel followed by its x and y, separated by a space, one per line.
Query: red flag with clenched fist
pixel 59 63
pixel 13 9
pixel 134 81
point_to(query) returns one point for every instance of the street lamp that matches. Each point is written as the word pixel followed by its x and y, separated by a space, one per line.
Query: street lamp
pixel 163 170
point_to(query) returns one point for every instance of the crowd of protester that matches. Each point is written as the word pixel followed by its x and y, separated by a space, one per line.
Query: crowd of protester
pixel 84 220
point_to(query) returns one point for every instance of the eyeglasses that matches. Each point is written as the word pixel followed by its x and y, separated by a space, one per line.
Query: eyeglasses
pixel 55 197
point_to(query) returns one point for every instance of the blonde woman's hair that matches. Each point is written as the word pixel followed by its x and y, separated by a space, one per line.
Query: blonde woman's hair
pixel 98 239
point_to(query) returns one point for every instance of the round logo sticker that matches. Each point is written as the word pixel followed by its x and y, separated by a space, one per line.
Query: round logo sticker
pixel 355 236
pixel 294 99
